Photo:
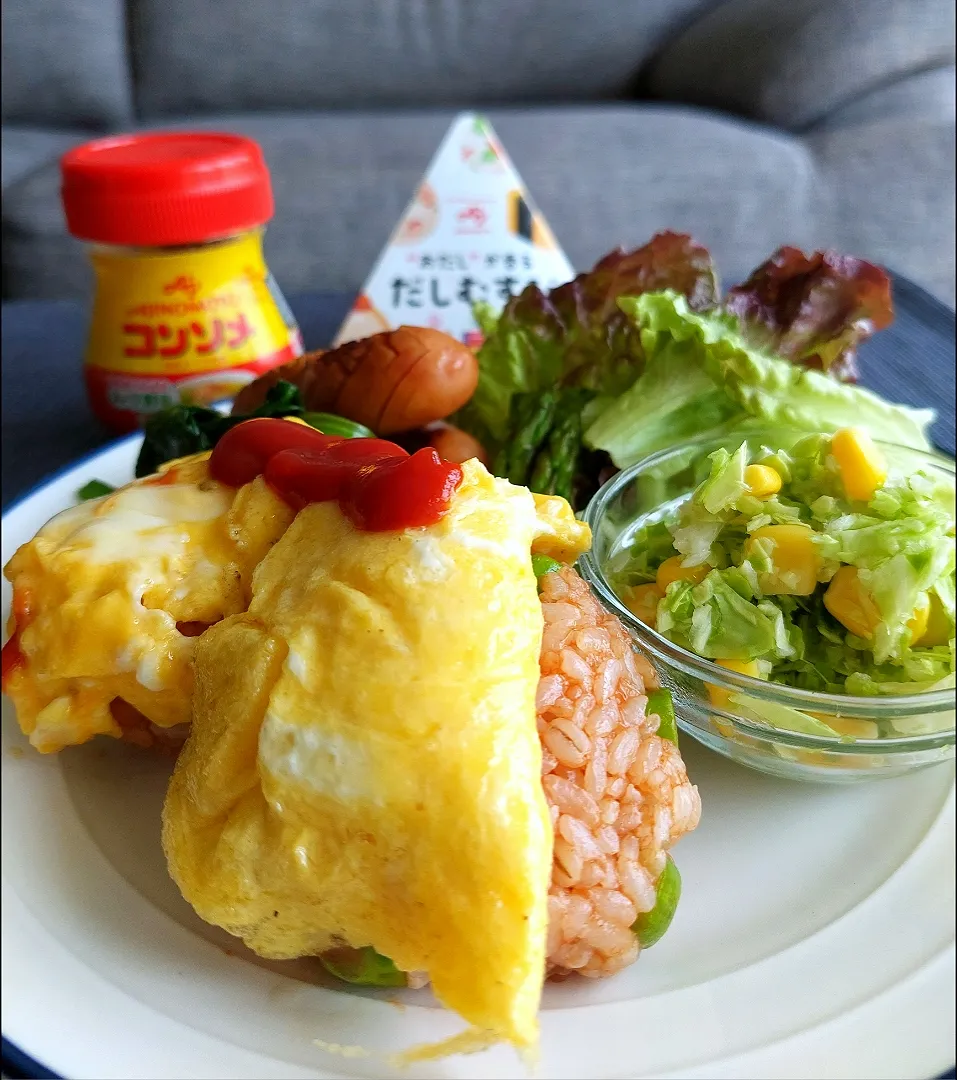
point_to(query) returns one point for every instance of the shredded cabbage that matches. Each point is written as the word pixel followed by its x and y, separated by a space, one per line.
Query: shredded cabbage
pixel 900 546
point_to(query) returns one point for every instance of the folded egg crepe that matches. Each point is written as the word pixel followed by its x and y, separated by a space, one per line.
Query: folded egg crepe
pixel 364 766
pixel 109 598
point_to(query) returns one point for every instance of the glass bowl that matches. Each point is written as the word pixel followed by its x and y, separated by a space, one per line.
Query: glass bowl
pixel 644 492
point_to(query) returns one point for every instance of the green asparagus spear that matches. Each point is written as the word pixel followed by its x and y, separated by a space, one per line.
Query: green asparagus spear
pixel 534 415
pixel 564 446
pixel 518 413
pixel 557 460
pixel 543 470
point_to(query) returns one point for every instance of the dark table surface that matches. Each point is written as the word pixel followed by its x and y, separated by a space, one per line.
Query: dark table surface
pixel 47 424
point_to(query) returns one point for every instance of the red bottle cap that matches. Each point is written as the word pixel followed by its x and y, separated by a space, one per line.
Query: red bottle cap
pixel 165 189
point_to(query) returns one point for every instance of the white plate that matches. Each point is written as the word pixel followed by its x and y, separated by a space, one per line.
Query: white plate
pixel 815 936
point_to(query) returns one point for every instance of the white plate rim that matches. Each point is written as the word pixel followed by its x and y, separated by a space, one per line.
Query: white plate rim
pixel 776 1058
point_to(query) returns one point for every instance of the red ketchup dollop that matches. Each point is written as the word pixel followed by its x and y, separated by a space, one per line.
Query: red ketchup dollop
pixel 12 659
pixel 378 485
pixel 11 655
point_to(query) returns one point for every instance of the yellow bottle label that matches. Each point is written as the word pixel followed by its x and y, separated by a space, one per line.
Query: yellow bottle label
pixel 190 326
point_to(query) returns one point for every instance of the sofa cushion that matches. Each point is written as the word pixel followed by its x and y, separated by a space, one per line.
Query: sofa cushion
pixel 26 149
pixel 319 54
pixel 65 64
pixel 791 62
pixel 887 162
pixel 603 176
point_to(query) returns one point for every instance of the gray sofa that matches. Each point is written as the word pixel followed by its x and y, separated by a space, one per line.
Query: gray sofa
pixel 749 123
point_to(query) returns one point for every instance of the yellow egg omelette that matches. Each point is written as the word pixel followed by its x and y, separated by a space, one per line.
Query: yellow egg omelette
pixel 109 598
pixel 364 767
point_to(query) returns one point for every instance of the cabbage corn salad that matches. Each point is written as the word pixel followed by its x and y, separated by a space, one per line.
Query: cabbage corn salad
pixel 821 567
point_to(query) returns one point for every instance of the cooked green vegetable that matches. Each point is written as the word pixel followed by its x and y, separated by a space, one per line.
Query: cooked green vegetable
pixel 542 476
pixel 564 445
pixel 651 926
pixel 660 703
pixel 530 418
pixel 362 967
pixel 544 444
pixel 190 429
pixel 95 489
pixel 544 564
pixel 329 424
pixel 573 337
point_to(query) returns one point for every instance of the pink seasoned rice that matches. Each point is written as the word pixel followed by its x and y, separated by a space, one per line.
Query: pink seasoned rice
pixel 619 795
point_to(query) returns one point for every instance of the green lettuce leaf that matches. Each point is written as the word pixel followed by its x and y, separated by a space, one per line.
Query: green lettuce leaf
pixel 896 586
pixel 903 547
pixel 650 546
pixel 696 534
pixel 714 620
pixel 725 486
pixel 831 660
pixel 788 396
pixel 703 376
pixel 522 353
pixel 676 397
pixel 576 335
pixel 937 671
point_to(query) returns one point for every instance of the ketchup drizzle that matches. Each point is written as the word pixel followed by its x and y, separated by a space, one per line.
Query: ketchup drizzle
pixel 11 655
pixel 377 484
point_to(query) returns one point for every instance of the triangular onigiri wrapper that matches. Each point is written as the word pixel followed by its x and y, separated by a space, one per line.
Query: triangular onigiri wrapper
pixel 471 233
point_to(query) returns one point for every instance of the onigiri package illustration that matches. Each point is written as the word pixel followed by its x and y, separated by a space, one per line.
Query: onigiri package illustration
pixel 470 234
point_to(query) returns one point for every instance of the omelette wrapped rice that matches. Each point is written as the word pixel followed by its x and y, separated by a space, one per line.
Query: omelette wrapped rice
pixel 364 767
pixel 361 703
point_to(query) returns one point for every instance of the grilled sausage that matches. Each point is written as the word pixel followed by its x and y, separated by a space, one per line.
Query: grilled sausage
pixel 391 382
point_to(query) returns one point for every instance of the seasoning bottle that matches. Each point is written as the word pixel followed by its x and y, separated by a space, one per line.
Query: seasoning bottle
pixel 185 310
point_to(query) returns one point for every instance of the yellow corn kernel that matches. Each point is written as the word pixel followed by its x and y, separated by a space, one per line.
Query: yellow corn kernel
pixel 826 759
pixel 794 557
pixel 718 694
pixel 938 630
pixel 921 619
pixel 672 570
pixel 762 481
pixel 642 602
pixel 862 465
pixel 851 604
